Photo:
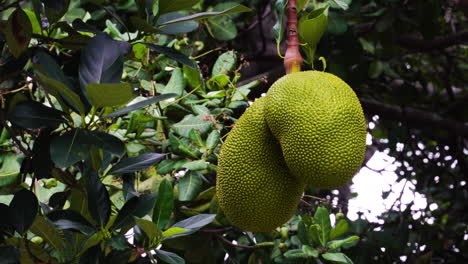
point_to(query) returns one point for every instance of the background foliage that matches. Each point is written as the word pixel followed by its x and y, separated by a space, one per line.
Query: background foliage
pixel 113 112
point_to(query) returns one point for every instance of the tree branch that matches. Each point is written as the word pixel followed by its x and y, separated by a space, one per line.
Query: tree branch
pixel 420 44
pixel 415 117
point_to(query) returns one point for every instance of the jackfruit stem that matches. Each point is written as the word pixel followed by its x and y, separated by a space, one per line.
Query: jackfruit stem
pixel 292 58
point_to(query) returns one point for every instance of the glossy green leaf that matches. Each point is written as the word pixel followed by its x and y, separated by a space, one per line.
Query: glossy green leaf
pixel 193 224
pixel 151 230
pixel 339 258
pixel 337 23
pixel 99 204
pixel 310 251
pixel 190 186
pixel 31 114
pixel 136 163
pixel 335 244
pixel 102 61
pixel 173 54
pixel 375 69
pixel 295 254
pixel 166 6
pixel 200 123
pixel 23 209
pixel 311 28
pixel 165 166
pixel 343 4
pixel 278 28
pixel 204 15
pixel 222 28
pixel 73 146
pixel 217 82
pixel 125 215
pixel 68 219
pixel 164 204
pixel 145 204
pixel 196 165
pixel 59 89
pixel 169 257
pixel 9 169
pixel 225 64
pixel 196 138
pixel 18 32
pixel 175 28
pixel 176 84
pixel 322 218
pixel 139 105
pixel 107 94
pixel 340 229
pixel 173 231
pixel 10 254
pixel 41 227
pixel 213 139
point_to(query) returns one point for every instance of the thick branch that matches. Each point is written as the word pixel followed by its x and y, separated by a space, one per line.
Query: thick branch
pixel 419 44
pixel 292 58
pixel 413 117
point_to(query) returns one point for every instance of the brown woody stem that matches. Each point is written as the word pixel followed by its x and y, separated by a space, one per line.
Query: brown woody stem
pixel 293 58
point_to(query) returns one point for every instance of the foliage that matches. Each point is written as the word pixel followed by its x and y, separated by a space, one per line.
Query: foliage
pixel 113 112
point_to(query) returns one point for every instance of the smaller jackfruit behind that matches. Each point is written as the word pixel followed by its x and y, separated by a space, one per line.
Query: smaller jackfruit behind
pixel 254 187
pixel 320 125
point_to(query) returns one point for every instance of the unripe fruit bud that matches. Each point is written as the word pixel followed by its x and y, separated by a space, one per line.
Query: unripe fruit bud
pixel 37 240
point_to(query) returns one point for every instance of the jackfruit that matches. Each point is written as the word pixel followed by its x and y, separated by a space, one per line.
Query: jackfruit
pixel 320 125
pixel 254 186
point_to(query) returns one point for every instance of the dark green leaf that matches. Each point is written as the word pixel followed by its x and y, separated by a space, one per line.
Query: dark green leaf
pixel 23 209
pixel 74 146
pixel 166 6
pixel 337 258
pixel 99 204
pixel 205 15
pixel 196 222
pixel 125 214
pixel 175 28
pixel 145 204
pixel 164 204
pixel 195 137
pixel 91 256
pixel 295 253
pixel 68 219
pixel 165 166
pixel 310 251
pixel 278 28
pixel 109 94
pixel 10 255
pixel 222 28
pixel 337 23
pixel 139 105
pixel 199 122
pixel 190 186
pixel 31 114
pixel 119 256
pixel 9 169
pixel 169 257
pixel 55 9
pixel 102 61
pixel 213 139
pixel 196 165
pixel 173 54
pixel 136 163
pixel 151 230
pixel 18 32
pixel 41 227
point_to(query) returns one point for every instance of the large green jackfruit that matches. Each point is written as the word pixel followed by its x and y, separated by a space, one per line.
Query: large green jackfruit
pixel 254 186
pixel 320 125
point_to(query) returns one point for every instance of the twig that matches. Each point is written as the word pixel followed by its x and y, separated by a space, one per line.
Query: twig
pixel 61 41
pixel 234 245
pixel 10 5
